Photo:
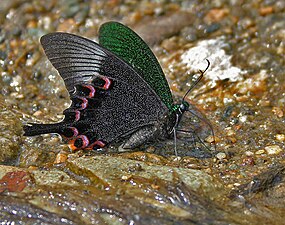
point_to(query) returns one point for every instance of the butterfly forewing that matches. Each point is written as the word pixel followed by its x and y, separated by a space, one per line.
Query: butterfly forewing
pixel 127 45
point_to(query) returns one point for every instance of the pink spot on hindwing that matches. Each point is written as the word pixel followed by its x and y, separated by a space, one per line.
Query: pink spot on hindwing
pixel 84 103
pixel 80 142
pixel 92 90
pixel 107 83
pixel 98 143
pixel 77 115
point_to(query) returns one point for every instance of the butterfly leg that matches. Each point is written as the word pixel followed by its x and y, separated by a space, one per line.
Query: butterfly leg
pixel 175 141
pixel 140 136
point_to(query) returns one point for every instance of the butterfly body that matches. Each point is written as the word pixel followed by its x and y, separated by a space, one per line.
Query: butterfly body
pixel 118 90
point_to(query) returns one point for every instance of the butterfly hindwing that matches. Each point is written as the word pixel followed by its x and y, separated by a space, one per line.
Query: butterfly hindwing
pixel 109 98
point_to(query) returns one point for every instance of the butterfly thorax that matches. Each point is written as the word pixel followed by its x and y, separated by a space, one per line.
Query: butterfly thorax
pixel 171 120
pixel 178 111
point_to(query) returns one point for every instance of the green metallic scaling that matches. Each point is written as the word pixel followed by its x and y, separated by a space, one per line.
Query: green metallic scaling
pixel 127 45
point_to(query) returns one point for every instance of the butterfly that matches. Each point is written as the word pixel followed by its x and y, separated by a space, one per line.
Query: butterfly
pixel 117 88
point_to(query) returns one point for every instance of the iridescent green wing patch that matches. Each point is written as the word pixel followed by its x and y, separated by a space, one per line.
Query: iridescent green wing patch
pixel 127 45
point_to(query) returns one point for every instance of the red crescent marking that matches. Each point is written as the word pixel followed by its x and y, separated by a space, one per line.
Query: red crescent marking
pixel 84 139
pixel 77 115
pixel 84 103
pixel 75 131
pixel 107 83
pixel 101 144
pixel 92 90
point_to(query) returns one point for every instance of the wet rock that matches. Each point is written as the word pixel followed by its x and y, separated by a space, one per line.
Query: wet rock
pixel 10 132
pixel 273 149
pixel 87 188
pixel 155 31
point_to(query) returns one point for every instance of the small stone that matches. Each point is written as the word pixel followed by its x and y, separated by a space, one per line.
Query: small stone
pixel 215 15
pixel 212 139
pixel 169 44
pixel 273 149
pixel 221 155
pixel 230 186
pixel 249 153
pixel 248 161
pixel 230 131
pixel 126 177
pixel 233 166
pixel 260 152
pixel 277 111
pixel 266 10
pixel 280 137
pixel 32 168
pixel 60 158
pixel 38 113
pixel 242 119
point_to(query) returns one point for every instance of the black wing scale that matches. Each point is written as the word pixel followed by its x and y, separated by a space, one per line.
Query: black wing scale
pixel 109 98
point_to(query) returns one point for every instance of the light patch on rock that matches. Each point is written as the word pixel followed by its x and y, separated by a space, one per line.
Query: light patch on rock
pixel 221 67
pixel 273 149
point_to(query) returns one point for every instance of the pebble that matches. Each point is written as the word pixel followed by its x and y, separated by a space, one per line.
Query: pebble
pixel 229 131
pixel 38 113
pixel 264 11
pixel 126 177
pixel 60 158
pixel 273 149
pixel 249 153
pixel 277 111
pixel 212 139
pixel 248 161
pixel 216 15
pixel 242 119
pixel 260 152
pixel 280 137
pixel 233 166
pixel 221 155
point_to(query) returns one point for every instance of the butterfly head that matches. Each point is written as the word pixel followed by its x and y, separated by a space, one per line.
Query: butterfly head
pixel 179 109
pixel 184 106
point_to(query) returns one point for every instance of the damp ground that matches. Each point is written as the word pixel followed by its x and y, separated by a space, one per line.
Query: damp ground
pixel 241 95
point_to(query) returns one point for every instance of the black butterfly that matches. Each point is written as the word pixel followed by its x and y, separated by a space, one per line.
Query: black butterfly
pixel 118 90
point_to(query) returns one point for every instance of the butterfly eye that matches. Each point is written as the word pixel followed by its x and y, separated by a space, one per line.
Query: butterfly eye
pixel 184 106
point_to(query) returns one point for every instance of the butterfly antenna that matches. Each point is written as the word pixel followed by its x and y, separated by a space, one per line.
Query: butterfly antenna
pixel 197 80
pixel 174 134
